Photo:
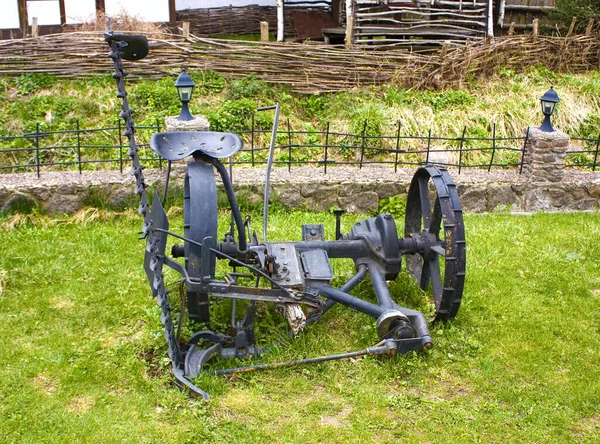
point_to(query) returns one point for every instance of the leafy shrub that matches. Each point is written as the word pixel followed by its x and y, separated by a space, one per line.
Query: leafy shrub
pixel 446 99
pixel 158 97
pixel 580 159
pixel 234 115
pixel 248 87
pixel 28 82
pixel 314 106
pixel 208 82
pixel 394 205
pixel 565 10
pixel 590 127
pixel 396 96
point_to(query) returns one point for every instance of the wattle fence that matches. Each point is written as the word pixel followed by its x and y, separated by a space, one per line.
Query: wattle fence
pixel 305 67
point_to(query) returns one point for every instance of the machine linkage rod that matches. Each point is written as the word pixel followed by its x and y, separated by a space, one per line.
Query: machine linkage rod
pixel 381 348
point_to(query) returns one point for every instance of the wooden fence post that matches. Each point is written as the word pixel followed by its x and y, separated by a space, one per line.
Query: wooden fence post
pixel 501 11
pixel 264 31
pixel 490 19
pixel 34 27
pixel 443 58
pixel 349 23
pixel 23 20
pixel 511 30
pixel 590 26
pixel 572 27
pixel 536 29
pixel 280 21
pixel 186 30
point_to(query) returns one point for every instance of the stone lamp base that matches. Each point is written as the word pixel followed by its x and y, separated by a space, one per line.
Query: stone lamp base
pixel 198 123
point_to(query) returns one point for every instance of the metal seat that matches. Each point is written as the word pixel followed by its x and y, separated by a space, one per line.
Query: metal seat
pixel 180 144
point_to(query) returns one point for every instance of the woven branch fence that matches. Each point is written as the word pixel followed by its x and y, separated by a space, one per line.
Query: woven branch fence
pixel 305 67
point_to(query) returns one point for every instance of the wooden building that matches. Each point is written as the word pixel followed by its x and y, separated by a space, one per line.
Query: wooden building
pixel 23 18
pixel 355 22
pixel 426 22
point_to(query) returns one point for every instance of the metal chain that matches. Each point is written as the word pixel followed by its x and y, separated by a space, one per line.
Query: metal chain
pixel 152 241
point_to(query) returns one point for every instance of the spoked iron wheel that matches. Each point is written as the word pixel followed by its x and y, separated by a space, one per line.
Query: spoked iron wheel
pixel 434 221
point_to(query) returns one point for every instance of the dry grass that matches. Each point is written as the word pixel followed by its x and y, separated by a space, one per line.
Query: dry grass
pixel 124 22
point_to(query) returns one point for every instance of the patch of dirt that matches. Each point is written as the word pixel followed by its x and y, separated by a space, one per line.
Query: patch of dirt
pixel 153 361
pixel 596 292
pixel 124 335
pixel 588 426
pixel 80 405
pixel 338 420
pixel 44 384
pixel 61 303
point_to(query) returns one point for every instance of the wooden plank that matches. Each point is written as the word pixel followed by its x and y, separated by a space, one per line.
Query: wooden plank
pixel 100 7
pixel 264 31
pixel 23 19
pixel 34 27
pixel 172 11
pixel 63 15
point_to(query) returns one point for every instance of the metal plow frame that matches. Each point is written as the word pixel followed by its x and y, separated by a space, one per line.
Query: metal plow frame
pixel 298 273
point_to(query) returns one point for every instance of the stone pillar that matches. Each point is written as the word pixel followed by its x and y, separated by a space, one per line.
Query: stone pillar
pixel 545 156
pixel 198 123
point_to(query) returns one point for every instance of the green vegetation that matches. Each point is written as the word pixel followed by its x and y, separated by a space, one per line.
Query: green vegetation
pixel 509 100
pixel 582 10
pixel 85 360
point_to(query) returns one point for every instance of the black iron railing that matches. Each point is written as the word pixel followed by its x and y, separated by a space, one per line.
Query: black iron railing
pixel 584 153
pixel 74 149
pixel 80 149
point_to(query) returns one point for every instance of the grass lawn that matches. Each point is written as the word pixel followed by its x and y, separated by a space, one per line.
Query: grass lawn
pixel 83 358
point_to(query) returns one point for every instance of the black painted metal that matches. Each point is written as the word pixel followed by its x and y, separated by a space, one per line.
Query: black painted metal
pixel 434 223
pixel 299 273
pixel 199 222
pixel 182 144
pixel 155 223
pixel 235 209
pixel 50 143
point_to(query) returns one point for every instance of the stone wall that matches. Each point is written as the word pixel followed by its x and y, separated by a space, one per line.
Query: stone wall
pixel 351 189
pixel 544 185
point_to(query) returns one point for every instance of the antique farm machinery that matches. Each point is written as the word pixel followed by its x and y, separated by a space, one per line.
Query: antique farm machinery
pixel 297 274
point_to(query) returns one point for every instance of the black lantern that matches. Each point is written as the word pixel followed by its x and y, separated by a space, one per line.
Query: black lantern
pixel 185 88
pixel 548 101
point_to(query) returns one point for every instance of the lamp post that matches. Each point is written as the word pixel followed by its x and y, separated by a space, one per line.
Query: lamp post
pixel 548 102
pixel 185 88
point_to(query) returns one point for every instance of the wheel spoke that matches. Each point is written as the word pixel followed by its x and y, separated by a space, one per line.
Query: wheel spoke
pixel 436 280
pixel 436 222
pixel 425 202
pixel 439 250
pixel 425 276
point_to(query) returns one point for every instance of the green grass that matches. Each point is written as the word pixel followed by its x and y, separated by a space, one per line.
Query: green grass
pixel 83 357
pixel 509 99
